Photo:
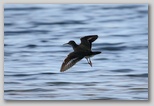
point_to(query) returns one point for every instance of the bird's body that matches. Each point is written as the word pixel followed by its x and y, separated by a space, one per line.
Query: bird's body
pixel 80 51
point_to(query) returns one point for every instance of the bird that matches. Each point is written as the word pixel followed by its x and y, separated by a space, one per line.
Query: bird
pixel 86 43
pixel 83 50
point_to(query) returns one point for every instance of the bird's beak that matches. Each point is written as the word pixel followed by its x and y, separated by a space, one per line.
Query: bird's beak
pixel 65 44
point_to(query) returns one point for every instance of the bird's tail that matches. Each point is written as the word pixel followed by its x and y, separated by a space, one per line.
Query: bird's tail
pixel 94 53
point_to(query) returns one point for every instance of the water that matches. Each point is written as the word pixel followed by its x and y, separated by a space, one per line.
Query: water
pixel 34 35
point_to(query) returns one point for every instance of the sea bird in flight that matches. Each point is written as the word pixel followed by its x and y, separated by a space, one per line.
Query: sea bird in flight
pixel 80 51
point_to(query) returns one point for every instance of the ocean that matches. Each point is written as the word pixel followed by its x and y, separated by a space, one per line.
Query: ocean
pixel 34 35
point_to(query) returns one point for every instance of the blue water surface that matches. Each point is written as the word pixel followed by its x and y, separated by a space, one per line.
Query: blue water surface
pixel 34 35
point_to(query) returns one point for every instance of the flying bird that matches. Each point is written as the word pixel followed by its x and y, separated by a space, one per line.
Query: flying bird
pixel 83 50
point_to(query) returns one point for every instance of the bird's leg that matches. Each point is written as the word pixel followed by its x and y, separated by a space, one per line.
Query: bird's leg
pixel 89 61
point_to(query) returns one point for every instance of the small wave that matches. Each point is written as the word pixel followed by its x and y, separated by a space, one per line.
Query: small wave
pixel 70 83
pixel 104 98
pixel 44 41
pixel 31 46
pixel 138 75
pixel 143 11
pixel 26 79
pixel 101 59
pixel 72 9
pixel 122 7
pixel 26 90
pixel 7 53
pixel 111 46
pixel 139 47
pixel 121 35
pixel 25 32
pixel 48 73
pixel 7 44
pixel 69 22
pixel 24 51
pixel 112 20
pixel 57 83
pixel 19 75
pixel 8 24
pixel 23 9
pixel 139 89
pixel 16 32
pixel 122 70
pixel 82 71
pixel 11 82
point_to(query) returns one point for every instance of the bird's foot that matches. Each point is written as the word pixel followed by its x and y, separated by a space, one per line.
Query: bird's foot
pixel 89 61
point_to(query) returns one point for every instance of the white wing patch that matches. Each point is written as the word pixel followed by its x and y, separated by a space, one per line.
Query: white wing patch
pixel 69 62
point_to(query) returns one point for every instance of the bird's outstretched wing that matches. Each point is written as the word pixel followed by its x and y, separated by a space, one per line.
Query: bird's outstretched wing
pixel 90 38
pixel 87 40
pixel 70 60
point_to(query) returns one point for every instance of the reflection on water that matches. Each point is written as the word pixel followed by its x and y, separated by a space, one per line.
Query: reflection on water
pixel 34 52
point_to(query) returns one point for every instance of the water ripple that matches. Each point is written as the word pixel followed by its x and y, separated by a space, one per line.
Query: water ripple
pixel 33 51
pixel 23 9
pixel 122 70
pixel 25 32
pixel 122 7
pixel 69 22
pixel 137 75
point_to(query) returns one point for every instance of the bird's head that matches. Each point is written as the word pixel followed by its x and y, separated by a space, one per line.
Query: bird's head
pixel 71 42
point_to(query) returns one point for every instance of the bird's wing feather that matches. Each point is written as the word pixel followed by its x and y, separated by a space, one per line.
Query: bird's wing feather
pixel 90 38
pixel 70 60
pixel 87 40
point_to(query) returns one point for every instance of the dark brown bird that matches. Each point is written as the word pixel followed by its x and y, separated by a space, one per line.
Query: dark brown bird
pixel 80 51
